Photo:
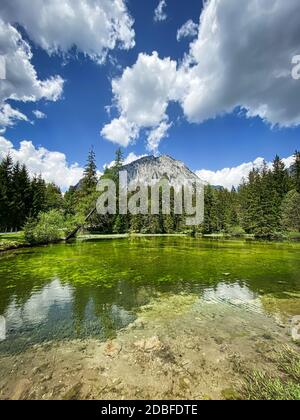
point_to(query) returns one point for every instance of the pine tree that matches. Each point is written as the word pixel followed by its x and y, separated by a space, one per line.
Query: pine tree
pixel 6 184
pixel 296 172
pixel 280 177
pixel 210 224
pixel 119 160
pixel 21 196
pixel 54 199
pixel 291 211
pixel 249 196
pixel 153 224
pixel 119 226
pixel 38 192
pixel 280 185
pixel 90 178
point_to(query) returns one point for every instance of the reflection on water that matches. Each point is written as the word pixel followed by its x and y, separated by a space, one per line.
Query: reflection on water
pixel 235 295
pixel 55 312
pixel 37 309
pixel 94 289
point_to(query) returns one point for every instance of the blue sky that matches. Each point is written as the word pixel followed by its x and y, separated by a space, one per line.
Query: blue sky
pixel 74 121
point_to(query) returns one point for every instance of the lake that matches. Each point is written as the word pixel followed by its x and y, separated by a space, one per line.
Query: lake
pixel 238 294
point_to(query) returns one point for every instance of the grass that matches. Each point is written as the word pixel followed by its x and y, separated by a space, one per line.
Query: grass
pixel 11 240
pixel 294 235
pixel 286 386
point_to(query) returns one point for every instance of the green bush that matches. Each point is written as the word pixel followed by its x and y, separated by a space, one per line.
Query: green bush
pixel 48 228
pixel 71 222
pixel 236 231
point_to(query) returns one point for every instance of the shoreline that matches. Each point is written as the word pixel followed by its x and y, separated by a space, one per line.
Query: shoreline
pixel 12 246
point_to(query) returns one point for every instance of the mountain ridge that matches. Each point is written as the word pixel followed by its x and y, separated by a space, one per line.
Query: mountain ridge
pixel 150 169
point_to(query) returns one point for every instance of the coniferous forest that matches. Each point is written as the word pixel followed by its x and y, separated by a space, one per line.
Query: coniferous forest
pixel 266 204
pixel 22 197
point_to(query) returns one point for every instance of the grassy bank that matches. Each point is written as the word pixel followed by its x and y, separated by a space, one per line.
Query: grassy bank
pixel 12 241
pixel 285 386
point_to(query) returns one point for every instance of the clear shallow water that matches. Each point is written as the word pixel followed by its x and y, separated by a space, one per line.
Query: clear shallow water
pixel 95 288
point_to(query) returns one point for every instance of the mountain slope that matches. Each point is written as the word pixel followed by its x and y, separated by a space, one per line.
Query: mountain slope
pixel 150 169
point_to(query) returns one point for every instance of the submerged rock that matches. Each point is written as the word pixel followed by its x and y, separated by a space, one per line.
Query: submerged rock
pixel 73 393
pixel 296 329
pixel 149 345
pixel 112 349
pixel 21 390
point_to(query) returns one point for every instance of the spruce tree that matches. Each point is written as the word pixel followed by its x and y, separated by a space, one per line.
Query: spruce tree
pixel 54 199
pixel 296 172
pixel 90 178
pixel 210 224
pixel 21 196
pixel 119 160
pixel 6 185
pixel 291 211
pixel 280 177
pixel 38 193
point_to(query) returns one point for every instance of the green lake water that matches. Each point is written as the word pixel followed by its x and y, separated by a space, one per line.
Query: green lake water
pixel 95 288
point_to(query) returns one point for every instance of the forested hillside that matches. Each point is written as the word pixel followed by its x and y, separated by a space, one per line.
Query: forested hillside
pixel 266 205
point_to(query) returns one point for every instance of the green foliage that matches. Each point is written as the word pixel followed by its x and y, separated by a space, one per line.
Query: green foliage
pixel 21 197
pixel 54 198
pixel 255 208
pixel 291 211
pixel 11 241
pixel 119 225
pixel 261 199
pixel 265 205
pixel 47 228
pixel 80 200
pixel 263 386
pixel 236 231
pixel 296 172
pixel 90 179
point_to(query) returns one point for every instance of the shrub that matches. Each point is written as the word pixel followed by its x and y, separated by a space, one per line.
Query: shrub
pixel 48 228
pixel 236 231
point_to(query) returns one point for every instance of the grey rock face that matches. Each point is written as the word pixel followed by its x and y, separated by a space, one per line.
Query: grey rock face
pixel 150 169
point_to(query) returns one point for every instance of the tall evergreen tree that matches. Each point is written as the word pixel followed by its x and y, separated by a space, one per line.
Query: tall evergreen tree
pixel 90 178
pixel 6 184
pixel 280 177
pixel 21 196
pixel 296 172
pixel 291 211
pixel 210 224
pixel 119 160
pixel 38 191
pixel 54 198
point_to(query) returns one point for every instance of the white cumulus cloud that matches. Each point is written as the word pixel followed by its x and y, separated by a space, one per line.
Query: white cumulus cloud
pixel 93 27
pixel 188 30
pixel 120 131
pixel 142 95
pixel 241 60
pixel 159 13
pixel 157 134
pixel 233 177
pixel 21 80
pixel 39 114
pixel 52 165
pixel 9 116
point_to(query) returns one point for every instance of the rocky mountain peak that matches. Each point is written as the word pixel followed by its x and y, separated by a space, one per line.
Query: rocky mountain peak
pixel 150 169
